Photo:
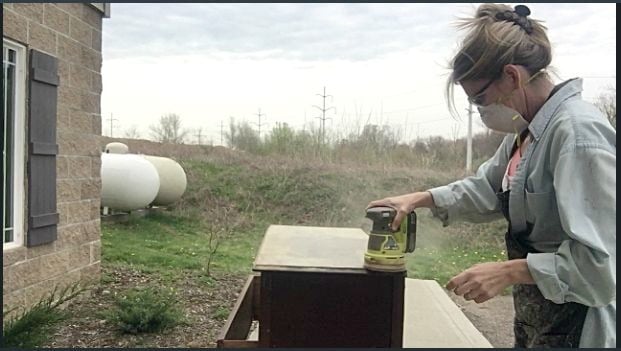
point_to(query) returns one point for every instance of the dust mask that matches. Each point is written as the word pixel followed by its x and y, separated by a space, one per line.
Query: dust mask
pixel 503 119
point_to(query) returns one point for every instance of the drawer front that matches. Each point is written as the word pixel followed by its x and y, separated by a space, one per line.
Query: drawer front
pixel 331 310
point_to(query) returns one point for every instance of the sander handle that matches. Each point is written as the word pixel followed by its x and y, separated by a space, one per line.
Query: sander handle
pixel 410 232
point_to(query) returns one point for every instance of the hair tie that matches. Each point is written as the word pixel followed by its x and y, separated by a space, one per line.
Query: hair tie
pixel 517 16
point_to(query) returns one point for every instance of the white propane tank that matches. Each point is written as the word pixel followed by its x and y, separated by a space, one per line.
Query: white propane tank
pixel 172 180
pixel 116 148
pixel 128 182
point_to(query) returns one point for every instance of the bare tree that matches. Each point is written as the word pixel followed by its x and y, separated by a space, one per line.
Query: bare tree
pixel 169 129
pixel 607 103
pixel 224 223
pixel 132 132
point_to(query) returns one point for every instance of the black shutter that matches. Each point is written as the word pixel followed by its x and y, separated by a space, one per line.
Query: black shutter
pixel 42 214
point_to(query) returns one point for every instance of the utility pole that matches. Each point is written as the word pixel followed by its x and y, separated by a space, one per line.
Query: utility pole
pixel 221 132
pixel 259 124
pixel 200 132
pixel 469 141
pixel 111 119
pixel 323 114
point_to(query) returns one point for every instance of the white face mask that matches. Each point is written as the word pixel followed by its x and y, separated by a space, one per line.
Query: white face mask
pixel 503 119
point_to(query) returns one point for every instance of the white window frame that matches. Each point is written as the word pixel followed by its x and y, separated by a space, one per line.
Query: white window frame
pixel 19 145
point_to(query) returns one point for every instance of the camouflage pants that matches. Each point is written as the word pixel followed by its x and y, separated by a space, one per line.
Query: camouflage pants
pixel 540 322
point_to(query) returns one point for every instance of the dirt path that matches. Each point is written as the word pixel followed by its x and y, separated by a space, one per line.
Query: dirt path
pixel 493 318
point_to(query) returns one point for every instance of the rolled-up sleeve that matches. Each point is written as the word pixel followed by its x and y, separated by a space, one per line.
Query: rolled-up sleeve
pixel 473 198
pixel 583 269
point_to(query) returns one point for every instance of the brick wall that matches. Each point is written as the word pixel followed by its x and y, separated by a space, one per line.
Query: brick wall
pixel 72 33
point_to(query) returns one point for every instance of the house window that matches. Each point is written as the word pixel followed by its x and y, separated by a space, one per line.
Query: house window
pixel 13 143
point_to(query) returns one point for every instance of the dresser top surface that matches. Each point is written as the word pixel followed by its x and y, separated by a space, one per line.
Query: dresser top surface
pixel 312 249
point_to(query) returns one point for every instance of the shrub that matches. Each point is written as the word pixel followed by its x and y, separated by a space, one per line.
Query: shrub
pixel 32 327
pixel 146 310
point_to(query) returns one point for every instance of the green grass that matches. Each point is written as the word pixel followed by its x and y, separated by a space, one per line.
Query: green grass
pixel 165 244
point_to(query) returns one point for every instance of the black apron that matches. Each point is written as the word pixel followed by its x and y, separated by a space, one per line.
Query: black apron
pixel 539 322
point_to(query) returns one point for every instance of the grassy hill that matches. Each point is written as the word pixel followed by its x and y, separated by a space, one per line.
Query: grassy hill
pixel 233 197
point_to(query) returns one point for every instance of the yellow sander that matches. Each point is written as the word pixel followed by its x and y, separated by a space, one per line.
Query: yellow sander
pixel 386 248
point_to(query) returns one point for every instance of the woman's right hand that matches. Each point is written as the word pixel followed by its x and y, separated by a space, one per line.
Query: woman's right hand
pixel 404 204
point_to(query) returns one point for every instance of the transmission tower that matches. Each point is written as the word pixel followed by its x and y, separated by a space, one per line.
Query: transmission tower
pixel 111 119
pixel 259 124
pixel 323 117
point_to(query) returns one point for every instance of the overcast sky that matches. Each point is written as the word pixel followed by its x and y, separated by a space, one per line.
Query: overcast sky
pixel 381 63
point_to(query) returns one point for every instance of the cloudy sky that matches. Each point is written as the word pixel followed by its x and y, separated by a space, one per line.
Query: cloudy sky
pixel 381 63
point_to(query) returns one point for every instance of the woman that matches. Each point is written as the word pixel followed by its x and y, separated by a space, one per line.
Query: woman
pixel 553 178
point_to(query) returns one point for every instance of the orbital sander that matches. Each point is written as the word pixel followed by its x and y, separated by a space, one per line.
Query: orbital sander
pixel 386 248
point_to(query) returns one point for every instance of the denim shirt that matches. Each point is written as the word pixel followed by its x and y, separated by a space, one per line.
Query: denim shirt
pixel 565 186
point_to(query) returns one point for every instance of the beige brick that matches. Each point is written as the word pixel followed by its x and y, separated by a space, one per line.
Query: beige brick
pixel 95 208
pixel 69 96
pixel 33 11
pixel 81 121
pixel 91 102
pixel 68 189
pixel 63 117
pixel 91 273
pixel 96 83
pixel 80 256
pixel 96 167
pixel 62 167
pixel 96 36
pixel 56 19
pixel 71 235
pixel 96 121
pixel 42 38
pixel 92 16
pixel 74 9
pixel 13 302
pixel 62 209
pixel 38 269
pixel 78 212
pixel 14 26
pixel 95 252
pixel 80 167
pixel 40 250
pixel 90 58
pixel 92 230
pixel 80 31
pixel 6 283
pixel 64 71
pixel 91 189
pixel 78 144
pixel 12 256
pixel 80 77
pixel 78 234
pixel 35 293
pixel 69 49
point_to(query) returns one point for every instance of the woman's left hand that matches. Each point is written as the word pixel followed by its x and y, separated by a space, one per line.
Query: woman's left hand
pixel 482 281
